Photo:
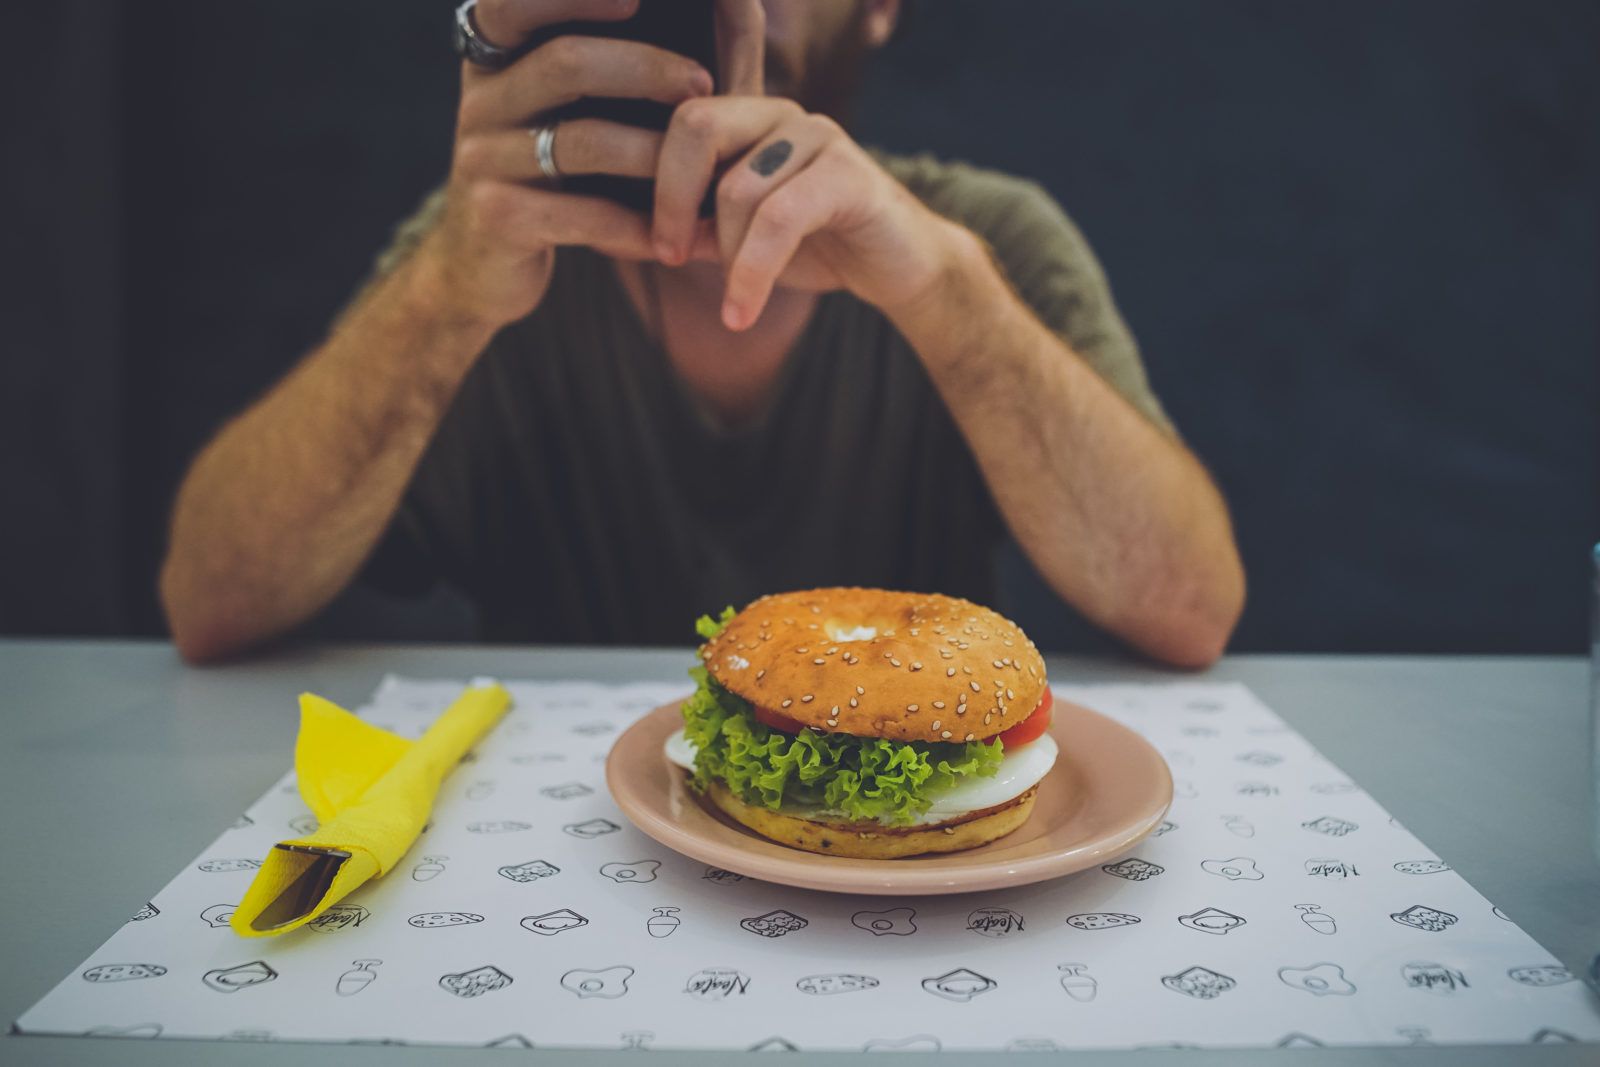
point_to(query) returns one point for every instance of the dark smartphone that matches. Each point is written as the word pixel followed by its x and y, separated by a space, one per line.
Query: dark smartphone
pixel 687 27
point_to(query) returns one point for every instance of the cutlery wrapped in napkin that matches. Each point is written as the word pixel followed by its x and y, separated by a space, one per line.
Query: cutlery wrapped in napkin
pixel 371 792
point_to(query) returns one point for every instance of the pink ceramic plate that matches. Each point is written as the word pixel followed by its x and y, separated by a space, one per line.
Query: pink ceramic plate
pixel 1107 791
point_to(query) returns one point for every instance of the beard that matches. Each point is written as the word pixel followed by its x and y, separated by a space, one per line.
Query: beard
pixel 831 74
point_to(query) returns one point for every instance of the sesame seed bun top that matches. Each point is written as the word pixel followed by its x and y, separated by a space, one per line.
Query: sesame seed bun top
pixel 877 663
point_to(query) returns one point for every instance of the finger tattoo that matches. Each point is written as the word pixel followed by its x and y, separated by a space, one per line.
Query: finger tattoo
pixel 770 158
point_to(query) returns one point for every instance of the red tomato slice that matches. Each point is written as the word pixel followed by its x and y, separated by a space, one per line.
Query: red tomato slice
pixel 776 719
pixel 1033 727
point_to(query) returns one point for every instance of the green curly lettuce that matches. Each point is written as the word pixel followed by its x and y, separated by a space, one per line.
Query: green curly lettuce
pixel 708 628
pixel 859 778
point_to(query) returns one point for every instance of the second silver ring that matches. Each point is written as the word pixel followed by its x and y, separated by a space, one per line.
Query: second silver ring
pixel 544 146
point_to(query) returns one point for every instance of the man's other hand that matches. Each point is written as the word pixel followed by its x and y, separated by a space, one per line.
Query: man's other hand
pixel 801 204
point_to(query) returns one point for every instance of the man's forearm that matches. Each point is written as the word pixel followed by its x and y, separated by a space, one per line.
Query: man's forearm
pixel 282 507
pixel 1118 517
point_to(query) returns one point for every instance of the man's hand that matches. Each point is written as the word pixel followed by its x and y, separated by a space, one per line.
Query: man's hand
pixel 490 258
pixel 802 204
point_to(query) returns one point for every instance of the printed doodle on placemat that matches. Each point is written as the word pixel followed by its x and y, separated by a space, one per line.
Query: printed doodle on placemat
pixel 532 914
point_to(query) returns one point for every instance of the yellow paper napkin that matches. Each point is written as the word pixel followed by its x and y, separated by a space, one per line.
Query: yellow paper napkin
pixel 371 792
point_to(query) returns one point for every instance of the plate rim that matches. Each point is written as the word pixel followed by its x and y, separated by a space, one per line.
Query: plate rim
pixel 806 870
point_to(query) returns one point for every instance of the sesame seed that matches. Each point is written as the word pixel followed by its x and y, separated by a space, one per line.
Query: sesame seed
pixel 762 673
pixel 975 686
pixel 951 830
pixel 987 719
pixel 936 724
pixel 963 645
pixel 970 736
pixel 802 651
pixel 895 662
pixel 913 633
pixel 835 711
pixel 852 702
pixel 998 664
pixel 833 722
pixel 1010 695
pixel 945 734
pixel 966 670
pixel 939 704
pixel 915 665
pixel 806 699
pixel 961 709
pixel 860 692
pixel 1007 642
pixel 786 702
pixel 949 672
pixel 832 650
pixel 911 707
pixel 819 661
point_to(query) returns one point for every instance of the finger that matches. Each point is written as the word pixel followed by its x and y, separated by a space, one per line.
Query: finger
pixel 741 47
pixel 566 68
pixel 509 23
pixel 781 155
pixel 581 146
pixel 801 207
pixel 534 219
pixel 701 134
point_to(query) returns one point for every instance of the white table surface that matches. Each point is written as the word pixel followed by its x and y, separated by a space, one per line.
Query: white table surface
pixel 117 764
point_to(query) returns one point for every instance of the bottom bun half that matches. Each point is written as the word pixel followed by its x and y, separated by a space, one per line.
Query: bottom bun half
pixel 871 840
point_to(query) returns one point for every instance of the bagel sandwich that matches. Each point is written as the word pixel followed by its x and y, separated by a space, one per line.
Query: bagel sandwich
pixel 867 723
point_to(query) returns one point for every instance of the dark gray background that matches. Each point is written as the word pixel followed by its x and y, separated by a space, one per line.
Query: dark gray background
pixel 1357 242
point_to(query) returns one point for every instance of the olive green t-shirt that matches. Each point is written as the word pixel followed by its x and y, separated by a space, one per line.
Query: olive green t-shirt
pixel 577 491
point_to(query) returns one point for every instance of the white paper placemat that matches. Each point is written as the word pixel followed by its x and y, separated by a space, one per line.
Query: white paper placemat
pixel 1278 906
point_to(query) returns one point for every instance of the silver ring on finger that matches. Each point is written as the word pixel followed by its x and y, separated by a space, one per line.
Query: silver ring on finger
pixel 544 146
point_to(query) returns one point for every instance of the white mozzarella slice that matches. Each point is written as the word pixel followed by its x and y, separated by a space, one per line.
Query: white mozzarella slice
pixel 1020 770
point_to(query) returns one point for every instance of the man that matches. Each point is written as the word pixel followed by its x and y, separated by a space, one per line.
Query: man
pixel 599 424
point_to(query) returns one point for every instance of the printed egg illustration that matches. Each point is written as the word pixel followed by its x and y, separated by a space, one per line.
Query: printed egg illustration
pixel 636 871
pixel 229 866
pixel 1236 869
pixel 430 920
pixel 1541 975
pixel 823 985
pixel 219 915
pixel 1421 867
pixel 894 922
pixel 1320 979
pixel 1100 920
pixel 123 972
pixel 608 982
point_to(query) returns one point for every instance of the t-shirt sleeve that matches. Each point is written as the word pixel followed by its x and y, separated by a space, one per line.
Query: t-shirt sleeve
pixel 1047 261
